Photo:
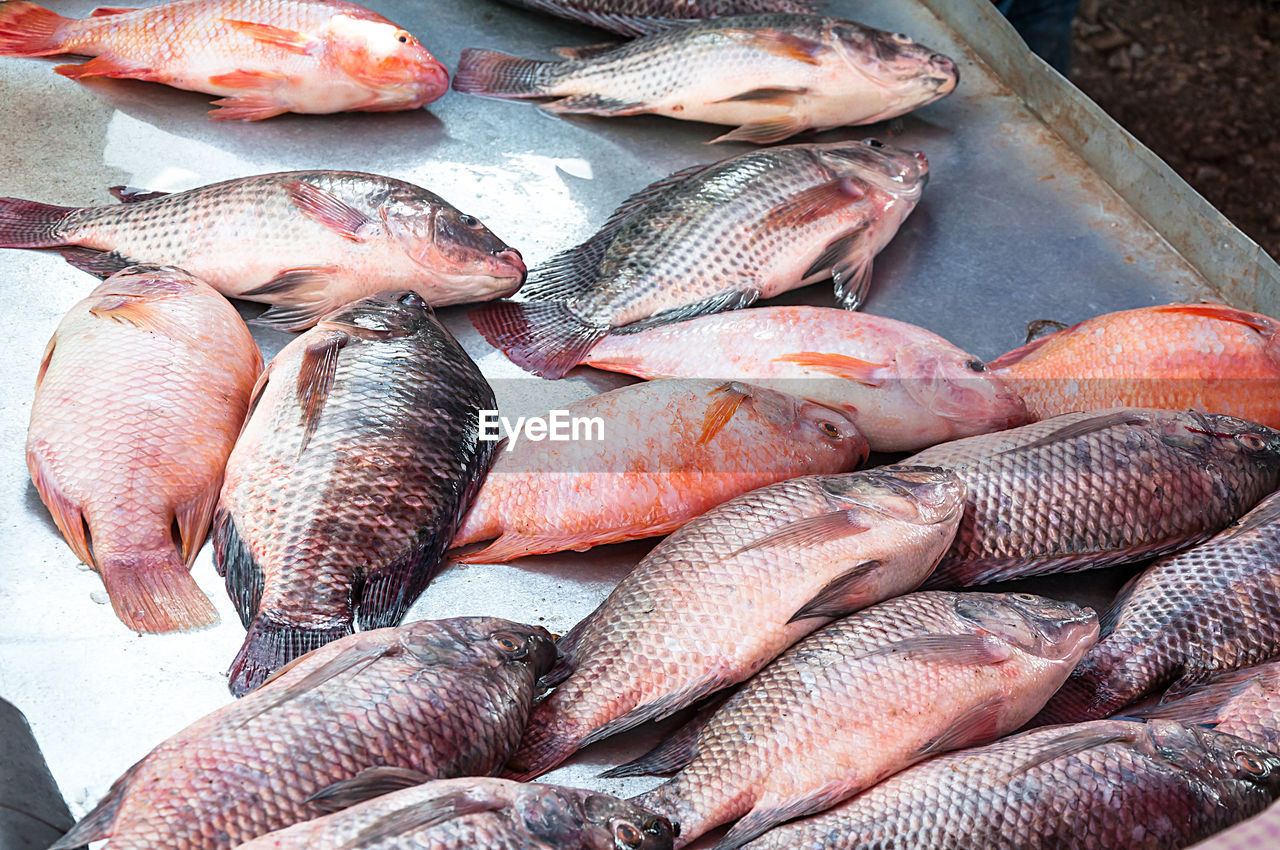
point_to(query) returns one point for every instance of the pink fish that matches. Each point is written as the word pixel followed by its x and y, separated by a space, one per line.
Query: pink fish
pixel 263 57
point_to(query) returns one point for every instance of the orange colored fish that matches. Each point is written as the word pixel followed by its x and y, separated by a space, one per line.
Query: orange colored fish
pixel 263 57
pixel 1208 357
pixel 140 396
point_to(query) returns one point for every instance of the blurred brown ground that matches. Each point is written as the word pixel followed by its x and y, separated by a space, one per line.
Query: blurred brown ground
pixel 1198 83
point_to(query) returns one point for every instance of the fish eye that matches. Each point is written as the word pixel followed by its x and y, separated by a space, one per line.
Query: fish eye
pixel 829 429
pixel 506 641
pixel 627 835
pixel 902 38
pixel 402 37
pixel 469 221
pixel 1252 442
pixel 1025 597
pixel 976 365
pixel 875 143
pixel 411 299
pixel 1251 763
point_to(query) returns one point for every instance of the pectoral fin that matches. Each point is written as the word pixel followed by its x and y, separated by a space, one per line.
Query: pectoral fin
pixel 422 815
pixel 978 725
pixel 365 785
pixel 815 203
pixel 843 595
pixel 840 365
pixel 136 311
pixel 323 207
pixel 286 39
pixel 774 96
pixel 729 398
pixel 810 531
pixel 779 43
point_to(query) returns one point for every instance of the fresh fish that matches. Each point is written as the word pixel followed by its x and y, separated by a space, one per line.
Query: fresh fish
pixel 307 242
pixel 262 57
pixel 904 387
pixel 720 598
pixel 1244 703
pixel 1094 489
pixel 140 395
pixel 440 698
pixel 1105 785
pixel 641 17
pixel 1208 357
pixel 359 459
pixel 667 451
pixel 771 76
pixel 1215 607
pixel 714 238
pixel 864 698
pixel 480 814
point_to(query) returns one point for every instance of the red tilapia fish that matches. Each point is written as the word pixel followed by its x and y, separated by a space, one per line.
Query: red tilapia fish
pixel 669 451
pixel 1088 490
pixel 771 76
pixel 306 242
pixel 641 17
pixel 480 814
pixel 864 698
pixel 721 597
pixel 434 699
pixel 904 387
pixel 712 238
pixel 262 57
pixel 140 395
pixel 1209 357
pixel 359 459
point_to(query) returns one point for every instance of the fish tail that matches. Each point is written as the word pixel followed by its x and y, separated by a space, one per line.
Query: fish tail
pixel 155 593
pixel 31 224
pixel 544 338
pixel 494 74
pixel 270 645
pixel 30 30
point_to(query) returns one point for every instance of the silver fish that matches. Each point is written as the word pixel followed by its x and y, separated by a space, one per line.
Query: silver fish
pixel 641 17
pixel 306 242
pixel 771 76
pixel 713 238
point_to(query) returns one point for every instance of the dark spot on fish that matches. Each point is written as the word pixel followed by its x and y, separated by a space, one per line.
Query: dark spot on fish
pixel 976 365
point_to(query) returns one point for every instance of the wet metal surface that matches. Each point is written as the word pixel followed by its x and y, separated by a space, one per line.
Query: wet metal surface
pixel 1013 227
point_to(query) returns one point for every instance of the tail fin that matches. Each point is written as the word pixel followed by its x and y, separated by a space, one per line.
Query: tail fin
pixel 156 594
pixel 30 30
pixel 546 339
pixel 31 224
pixel 269 645
pixel 494 74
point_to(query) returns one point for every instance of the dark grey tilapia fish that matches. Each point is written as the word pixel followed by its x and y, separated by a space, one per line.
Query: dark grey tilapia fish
pixel 1105 785
pixel 1244 703
pixel 1212 608
pixel 479 814
pixel 433 699
pixel 359 458
pixel 1088 490
pixel 640 17
pixel 713 238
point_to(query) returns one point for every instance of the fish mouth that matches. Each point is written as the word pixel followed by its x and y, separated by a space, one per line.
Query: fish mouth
pixel 944 74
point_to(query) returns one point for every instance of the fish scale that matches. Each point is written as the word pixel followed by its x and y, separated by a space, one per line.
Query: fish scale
pixel 873 693
pixel 638 17
pixel 437 697
pixel 1158 786
pixel 720 597
pixel 1091 489
pixel 1244 703
pixel 1213 608
pixel 344 514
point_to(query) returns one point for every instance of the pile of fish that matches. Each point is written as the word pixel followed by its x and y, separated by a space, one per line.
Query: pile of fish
pixel 848 688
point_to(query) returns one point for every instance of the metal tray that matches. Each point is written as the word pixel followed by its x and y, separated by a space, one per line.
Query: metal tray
pixel 1020 221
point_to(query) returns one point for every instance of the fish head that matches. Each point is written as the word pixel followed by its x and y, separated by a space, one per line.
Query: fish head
pixel 926 495
pixel 489 642
pixel 1212 435
pixel 387 59
pixel 386 315
pixel 906 74
pixel 899 173
pixel 458 258
pixel 1211 755
pixel 1046 628
pixel 957 387
pixel 629 826
pixel 807 422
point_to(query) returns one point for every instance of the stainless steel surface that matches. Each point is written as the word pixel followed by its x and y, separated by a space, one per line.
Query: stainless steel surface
pixel 1013 227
